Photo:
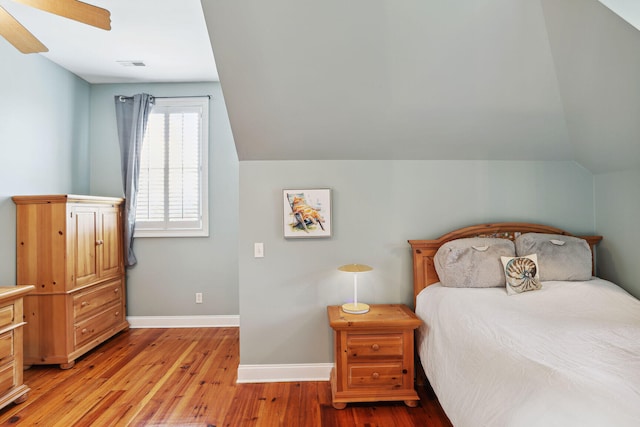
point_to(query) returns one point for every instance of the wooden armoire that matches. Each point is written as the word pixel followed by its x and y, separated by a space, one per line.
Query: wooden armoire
pixel 70 248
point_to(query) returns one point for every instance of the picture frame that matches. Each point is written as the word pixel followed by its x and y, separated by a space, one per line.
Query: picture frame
pixel 306 213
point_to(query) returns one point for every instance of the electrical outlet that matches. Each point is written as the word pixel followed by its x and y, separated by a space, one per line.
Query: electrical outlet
pixel 199 298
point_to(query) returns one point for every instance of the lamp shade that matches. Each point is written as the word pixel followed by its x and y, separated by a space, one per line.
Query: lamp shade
pixel 355 268
pixel 355 307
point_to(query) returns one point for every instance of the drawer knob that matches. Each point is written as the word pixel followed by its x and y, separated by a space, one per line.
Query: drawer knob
pixel 375 347
pixel 375 375
pixel 84 304
pixel 99 242
pixel 116 290
pixel 117 313
pixel 84 331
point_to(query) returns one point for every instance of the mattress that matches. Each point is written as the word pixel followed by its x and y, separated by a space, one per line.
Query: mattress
pixel 565 355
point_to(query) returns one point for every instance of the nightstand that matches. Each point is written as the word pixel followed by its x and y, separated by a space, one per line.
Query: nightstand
pixel 373 355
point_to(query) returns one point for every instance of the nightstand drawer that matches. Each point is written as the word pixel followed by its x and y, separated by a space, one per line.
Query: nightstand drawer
pixel 379 375
pixel 374 345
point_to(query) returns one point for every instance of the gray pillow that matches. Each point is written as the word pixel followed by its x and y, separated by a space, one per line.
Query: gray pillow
pixel 473 262
pixel 559 257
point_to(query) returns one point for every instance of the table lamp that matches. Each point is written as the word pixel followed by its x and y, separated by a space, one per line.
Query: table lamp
pixel 355 307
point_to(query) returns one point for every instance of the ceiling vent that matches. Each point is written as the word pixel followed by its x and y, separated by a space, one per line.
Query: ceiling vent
pixel 132 63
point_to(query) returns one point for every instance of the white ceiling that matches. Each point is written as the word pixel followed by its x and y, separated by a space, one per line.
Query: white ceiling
pixel 629 10
pixel 169 36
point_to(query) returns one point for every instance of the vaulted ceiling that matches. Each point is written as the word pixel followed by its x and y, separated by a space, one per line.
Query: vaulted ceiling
pixel 429 79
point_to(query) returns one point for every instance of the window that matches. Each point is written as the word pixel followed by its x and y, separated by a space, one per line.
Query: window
pixel 172 190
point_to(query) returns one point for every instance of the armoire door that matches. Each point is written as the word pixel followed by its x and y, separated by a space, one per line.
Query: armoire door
pixel 85 221
pixel 110 243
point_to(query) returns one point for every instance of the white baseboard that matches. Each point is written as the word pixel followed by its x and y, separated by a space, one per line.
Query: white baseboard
pixel 284 373
pixel 224 321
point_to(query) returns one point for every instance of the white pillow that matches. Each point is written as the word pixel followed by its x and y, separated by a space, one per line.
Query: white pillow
pixel 522 274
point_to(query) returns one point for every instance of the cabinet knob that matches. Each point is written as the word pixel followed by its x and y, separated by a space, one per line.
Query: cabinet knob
pixel 375 375
pixel 375 347
pixel 99 242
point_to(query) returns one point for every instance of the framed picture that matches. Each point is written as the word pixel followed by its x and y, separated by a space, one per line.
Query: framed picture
pixel 307 212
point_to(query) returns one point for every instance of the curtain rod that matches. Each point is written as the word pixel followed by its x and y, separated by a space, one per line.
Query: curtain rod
pixel 122 97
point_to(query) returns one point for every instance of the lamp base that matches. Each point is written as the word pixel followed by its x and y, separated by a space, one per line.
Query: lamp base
pixel 359 308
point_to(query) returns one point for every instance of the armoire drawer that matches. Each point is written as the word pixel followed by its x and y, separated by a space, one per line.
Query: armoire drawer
pixel 86 303
pixel 92 327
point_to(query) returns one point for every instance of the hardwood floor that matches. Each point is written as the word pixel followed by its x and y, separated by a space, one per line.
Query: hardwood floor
pixel 186 377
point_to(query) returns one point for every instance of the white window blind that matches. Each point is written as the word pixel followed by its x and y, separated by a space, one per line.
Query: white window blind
pixel 172 189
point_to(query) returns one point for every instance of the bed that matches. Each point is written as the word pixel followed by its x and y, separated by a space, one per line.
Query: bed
pixel 564 354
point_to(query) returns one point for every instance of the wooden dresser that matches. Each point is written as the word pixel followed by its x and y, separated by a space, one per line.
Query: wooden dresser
pixel 11 349
pixel 70 248
pixel 373 354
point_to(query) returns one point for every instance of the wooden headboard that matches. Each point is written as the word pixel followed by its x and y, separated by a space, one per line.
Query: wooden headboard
pixel 424 271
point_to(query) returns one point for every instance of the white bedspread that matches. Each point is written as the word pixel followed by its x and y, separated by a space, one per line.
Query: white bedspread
pixel 566 355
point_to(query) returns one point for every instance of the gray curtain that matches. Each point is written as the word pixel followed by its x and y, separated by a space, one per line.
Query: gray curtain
pixel 131 115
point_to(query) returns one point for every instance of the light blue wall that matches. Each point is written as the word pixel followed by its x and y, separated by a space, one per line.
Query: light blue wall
pixel 44 122
pixel 171 270
pixel 617 207
pixel 377 207
pixel 49 115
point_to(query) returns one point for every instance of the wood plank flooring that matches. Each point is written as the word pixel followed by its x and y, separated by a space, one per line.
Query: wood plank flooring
pixel 186 377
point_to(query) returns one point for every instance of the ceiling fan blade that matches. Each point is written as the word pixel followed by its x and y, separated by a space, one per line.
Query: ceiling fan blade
pixel 18 35
pixel 73 9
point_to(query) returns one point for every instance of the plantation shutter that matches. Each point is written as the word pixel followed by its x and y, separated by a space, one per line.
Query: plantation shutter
pixel 170 187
